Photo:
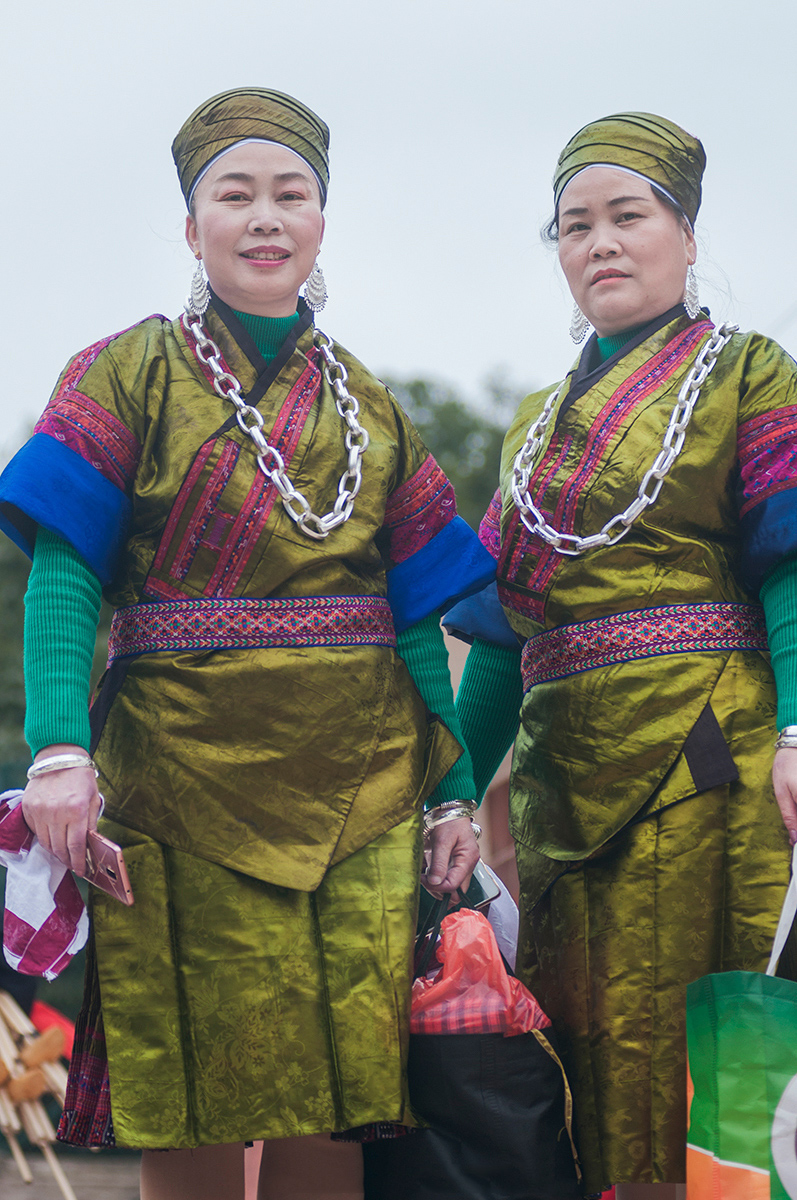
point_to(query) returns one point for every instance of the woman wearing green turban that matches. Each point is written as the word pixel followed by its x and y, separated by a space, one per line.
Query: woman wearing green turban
pixel 277 544
pixel 645 532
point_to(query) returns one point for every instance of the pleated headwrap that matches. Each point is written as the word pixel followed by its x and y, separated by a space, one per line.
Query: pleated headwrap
pixel 648 145
pixel 246 114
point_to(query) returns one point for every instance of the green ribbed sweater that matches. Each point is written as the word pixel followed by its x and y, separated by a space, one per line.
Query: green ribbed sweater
pixel 62 607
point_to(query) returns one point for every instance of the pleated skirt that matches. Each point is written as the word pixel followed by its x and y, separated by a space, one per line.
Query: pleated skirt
pixel 686 890
pixel 223 1009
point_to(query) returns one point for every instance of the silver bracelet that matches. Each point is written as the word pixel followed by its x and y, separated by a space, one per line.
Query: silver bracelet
pixel 787 738
pixel 60 762
pixel 452 810
pixel 470 806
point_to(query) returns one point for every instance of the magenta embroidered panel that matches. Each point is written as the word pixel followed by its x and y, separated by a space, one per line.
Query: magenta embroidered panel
pixel 527 565
pixel 196 518
pixel 204 505
pixel 768 455
pixel 418 510
pixel 644 633
pixel 86 427
pixel 490 527
pixel 249 521
pixel 246 623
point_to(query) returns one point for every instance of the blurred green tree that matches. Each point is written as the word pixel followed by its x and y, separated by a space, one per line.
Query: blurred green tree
pixel 465 438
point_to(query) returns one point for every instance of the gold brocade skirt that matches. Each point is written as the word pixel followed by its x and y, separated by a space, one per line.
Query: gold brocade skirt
pixel 686 890
pixel 235 1010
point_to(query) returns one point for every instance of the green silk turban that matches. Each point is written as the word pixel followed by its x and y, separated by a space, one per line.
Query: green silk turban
pixel 648 145
pixel 244 113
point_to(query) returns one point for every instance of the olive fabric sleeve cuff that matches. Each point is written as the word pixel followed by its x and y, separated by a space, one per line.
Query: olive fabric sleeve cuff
pixel 423 649
pixel 62 607
pixel 488 705
pixel 779 598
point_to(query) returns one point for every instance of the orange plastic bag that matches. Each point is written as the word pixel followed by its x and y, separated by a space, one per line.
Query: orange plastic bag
pixel 472 993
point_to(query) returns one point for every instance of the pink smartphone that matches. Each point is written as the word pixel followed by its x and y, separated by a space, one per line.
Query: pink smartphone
pixel 105 867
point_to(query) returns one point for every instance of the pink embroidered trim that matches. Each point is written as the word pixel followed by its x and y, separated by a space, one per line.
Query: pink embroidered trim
pixel 527 558
pixel 490 527
pixel 418 510
pixel 249 522
pixel 86 427
pixel 248 623
pixel 645 633
pixel 768 455
pixel 232 536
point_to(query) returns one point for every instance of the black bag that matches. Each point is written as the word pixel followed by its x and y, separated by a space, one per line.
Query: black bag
pixel 495 1107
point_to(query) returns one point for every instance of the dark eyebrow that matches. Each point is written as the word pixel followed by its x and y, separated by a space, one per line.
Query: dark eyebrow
pixel 241 176
pixel 628 200
pixel 284 176
pixel 577 212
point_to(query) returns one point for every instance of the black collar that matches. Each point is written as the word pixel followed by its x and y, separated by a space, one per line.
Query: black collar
pixel 589 369
pixel 266 372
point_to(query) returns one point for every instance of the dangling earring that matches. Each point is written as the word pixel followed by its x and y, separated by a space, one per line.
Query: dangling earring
pixel 315 289
pixel 578 325
pixel 199 296
pixel 691 297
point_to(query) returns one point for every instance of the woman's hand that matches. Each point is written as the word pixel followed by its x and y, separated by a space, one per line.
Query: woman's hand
pixel 784 780
pixel 454 853
pixel 61 807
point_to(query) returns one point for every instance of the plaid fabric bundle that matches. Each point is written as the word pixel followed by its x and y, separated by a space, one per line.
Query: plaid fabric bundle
pixel 472 992
pixel 45 921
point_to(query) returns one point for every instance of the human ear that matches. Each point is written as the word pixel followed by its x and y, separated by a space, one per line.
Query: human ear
pixel 690 245
pixel 191 235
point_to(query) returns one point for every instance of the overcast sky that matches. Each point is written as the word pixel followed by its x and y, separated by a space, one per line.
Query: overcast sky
pixel 446 121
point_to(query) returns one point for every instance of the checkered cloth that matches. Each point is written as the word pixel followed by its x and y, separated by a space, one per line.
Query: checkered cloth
pixel 469 989
pixel 45 921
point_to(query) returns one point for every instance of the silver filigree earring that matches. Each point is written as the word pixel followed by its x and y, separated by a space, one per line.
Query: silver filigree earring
pixel 199 296
pixel 315 289
pixel 578 325
pixel 691 297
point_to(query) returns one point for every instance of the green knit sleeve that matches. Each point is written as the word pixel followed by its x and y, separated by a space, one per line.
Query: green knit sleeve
pixel 779 597
pixel 423 649
pixel 488 705
pixel 62 607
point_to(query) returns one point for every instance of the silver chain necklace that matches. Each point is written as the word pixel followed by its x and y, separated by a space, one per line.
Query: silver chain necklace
pixel 672 444
pixel 269 459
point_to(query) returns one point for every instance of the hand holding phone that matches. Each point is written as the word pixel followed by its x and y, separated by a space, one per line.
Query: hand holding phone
pixel 105 867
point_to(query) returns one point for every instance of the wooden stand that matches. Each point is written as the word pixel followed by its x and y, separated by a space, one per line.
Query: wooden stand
pixel 30 1067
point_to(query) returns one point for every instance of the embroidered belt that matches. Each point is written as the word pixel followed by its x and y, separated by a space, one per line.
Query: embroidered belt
pixel 248 623
pixel 645 633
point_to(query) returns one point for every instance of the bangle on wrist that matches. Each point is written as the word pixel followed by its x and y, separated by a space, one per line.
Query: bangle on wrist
pixel 452 810
pixel 60 762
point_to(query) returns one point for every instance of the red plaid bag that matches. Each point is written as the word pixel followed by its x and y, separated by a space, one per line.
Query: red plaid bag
pixel 472 992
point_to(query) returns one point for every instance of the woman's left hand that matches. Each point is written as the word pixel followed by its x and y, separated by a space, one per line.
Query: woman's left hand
pixel 454 853
pixel 784 780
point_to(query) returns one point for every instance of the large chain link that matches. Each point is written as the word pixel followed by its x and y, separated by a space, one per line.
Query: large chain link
pixel 652 480
pixel 269 459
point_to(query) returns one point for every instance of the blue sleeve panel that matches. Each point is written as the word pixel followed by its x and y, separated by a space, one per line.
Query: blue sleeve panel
pixel 452 565
pixel 769 534
pixel 48 484
pixel 482 616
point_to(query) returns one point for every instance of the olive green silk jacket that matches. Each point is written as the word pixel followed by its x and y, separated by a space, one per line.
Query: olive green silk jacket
pixel 274 738
pixel 625 646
